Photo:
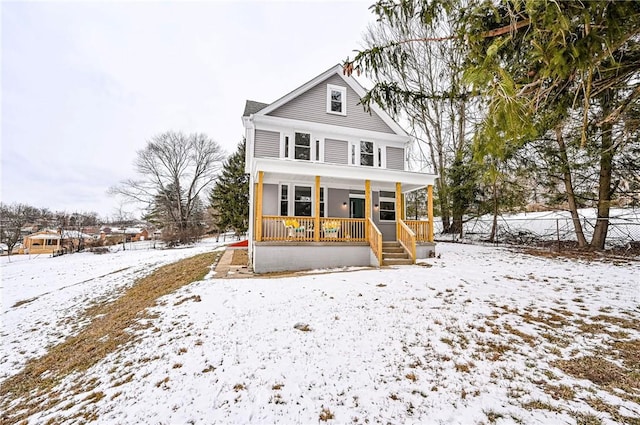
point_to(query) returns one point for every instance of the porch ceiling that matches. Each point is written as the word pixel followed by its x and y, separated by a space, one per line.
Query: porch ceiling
pixel 340 176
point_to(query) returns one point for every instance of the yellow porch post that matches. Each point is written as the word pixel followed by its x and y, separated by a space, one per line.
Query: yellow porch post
pixel 259 207
pixel 367 207
pixel 398 207
pixel 316 214
pixel 430 212
pixel 403 206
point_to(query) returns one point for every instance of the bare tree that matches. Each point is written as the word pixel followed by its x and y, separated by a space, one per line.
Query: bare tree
pixel 12 219
pixel 442 117
pixel 174 169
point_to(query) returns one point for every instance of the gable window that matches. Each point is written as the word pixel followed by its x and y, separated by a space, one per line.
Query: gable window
pixel 302 146
pixel 387 206
pixel 336 100
pixel 366 154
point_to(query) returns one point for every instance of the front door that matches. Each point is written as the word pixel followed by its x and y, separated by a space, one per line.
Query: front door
pixel 356 207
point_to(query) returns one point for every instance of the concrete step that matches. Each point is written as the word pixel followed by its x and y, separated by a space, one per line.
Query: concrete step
pixel 396 262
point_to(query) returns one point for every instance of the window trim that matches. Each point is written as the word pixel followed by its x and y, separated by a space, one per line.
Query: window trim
pixel 343 96
pixel 372 154
pixel 382 199
pixel 356 154
pixel 295 145
pixel 291 187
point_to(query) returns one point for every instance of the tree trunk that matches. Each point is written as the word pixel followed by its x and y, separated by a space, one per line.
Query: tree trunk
pixel 494 226
pixel 568 185
pixel 443 200
pixel 604 188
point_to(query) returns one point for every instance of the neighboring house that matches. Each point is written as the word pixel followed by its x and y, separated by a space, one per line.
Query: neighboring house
pixel 136 234
pixel 327 181
pixel 44 242
pixel 53 242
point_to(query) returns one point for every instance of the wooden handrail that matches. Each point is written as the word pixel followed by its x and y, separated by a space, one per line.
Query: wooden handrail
pixel 375 240
pixel 420 228
pixel 407 239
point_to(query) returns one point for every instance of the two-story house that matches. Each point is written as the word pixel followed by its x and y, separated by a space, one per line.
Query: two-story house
pixel 328 179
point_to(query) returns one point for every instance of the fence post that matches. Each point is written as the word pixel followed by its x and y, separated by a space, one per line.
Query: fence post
pixel 558 232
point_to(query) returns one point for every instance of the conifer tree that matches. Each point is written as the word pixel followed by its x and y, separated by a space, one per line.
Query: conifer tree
pixel 230 195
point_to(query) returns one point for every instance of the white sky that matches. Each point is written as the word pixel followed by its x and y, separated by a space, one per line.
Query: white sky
pixel 85 85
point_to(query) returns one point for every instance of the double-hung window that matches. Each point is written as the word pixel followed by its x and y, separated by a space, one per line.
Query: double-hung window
pixel 366 154
pixel 302 148
pixel 336 100
pixel 387 206
pixel 302 201
pixel 302 204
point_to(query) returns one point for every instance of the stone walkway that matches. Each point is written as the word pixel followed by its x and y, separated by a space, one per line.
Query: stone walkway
pixel 225 270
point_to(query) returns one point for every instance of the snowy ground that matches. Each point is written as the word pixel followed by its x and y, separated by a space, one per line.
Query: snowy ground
pixel 624 226
pixel 476 336
pixel 42 295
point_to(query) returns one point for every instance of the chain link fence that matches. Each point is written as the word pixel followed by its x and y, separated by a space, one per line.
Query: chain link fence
pixel 551 229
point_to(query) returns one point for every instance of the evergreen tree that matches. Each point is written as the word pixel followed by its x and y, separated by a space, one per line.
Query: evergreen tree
pixel 230 195
pixel 540 68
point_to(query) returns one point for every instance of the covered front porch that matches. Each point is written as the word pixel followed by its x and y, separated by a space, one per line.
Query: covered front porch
pixel 347 213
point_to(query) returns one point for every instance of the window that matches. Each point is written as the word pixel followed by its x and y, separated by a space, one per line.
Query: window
pixel 366 153
pixel 286 146
pixel 317 150
pixel 336 100
pixel 303 146
pixel 387 206
pixel 284 200
pixel 302 201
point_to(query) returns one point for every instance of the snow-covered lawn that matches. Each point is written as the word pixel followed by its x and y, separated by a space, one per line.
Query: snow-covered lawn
pixel 480 335
pixel 42 295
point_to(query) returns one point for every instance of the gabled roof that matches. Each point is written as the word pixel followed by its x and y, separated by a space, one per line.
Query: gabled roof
pixel 265 109
pixel 251 107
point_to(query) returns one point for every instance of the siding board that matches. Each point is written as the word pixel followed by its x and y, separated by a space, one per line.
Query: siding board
pixel 267 144
pixel 336 151
pixel 395 158
pixel 312 106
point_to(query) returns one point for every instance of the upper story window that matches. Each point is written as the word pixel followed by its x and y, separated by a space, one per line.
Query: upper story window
pixel 302 146
pixel 336 100
pixel 366 154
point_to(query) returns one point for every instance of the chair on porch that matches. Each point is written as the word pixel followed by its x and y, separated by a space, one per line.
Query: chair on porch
pixel 294 228
pixel 331 229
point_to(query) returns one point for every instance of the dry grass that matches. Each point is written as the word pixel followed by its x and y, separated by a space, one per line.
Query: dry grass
pixel 560 392
pixel 240 257
pixel 22 302
pixel 326 414
pixel 106 333
pixel 529 339
pixel 602 406
pixel 599 371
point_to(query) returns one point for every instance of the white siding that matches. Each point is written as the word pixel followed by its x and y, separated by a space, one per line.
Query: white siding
pixel 336 151
pixel 267 144
pixel 312 106
pixel 395 158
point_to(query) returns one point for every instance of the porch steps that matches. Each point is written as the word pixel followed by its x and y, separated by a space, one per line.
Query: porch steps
pixel 393 254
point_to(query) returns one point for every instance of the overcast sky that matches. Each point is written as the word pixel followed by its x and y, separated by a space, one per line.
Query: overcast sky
pixel 85 85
